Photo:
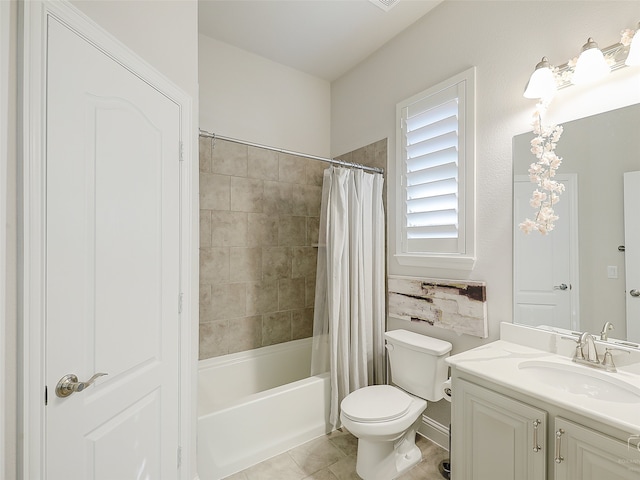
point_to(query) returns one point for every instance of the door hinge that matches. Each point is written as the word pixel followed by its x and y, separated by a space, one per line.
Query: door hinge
pixel 179 457
pixel 181 152
pixel 180 303
pixel 46 396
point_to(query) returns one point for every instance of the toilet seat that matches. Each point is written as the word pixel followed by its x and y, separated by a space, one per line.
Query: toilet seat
pixel 377 403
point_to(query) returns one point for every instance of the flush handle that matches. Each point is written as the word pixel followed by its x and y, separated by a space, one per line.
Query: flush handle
pixel 69 384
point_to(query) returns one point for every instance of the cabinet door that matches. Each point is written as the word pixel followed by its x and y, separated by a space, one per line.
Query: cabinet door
pixel 589 455
pixel 496 437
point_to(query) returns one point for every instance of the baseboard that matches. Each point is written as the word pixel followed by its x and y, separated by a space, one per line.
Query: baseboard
pixel 434 431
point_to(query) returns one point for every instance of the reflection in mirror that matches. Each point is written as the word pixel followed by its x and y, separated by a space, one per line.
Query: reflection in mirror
pixel 584 273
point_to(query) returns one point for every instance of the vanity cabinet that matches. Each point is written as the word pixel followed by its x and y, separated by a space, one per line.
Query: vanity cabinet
pixel 496 437
pixel 584 453
pixel 500 435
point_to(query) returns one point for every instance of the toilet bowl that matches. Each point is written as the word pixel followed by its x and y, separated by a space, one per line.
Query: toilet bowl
pixel 385 418
pixel 389 420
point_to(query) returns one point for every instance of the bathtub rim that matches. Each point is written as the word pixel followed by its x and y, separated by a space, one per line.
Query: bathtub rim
pixel 237 357
pixel 256 397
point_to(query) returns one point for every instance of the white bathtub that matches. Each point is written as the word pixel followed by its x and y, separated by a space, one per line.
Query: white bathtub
pixel 256 404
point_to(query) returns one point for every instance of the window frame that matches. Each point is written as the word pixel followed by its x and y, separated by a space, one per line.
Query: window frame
pixel 465 256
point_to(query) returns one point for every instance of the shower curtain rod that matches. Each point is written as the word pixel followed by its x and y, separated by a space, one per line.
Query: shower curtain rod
pixel 204 133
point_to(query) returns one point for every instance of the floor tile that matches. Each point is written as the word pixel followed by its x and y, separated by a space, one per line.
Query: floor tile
pixel 237 476
pixel 324 474
pixel 316 455
pixel 344 441
pixel 345 469
pixel 333 457
pixel 281 467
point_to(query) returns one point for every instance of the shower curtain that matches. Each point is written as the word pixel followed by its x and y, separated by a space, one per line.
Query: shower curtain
pixel 350 284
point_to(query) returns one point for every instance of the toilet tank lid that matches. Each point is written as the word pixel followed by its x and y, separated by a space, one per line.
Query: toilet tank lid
pixel 416 341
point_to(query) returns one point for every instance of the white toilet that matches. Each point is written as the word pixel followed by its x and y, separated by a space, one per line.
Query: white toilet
pixel 385 418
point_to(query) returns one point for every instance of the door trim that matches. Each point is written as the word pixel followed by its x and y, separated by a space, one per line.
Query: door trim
pixel 5 55
pixel 31 343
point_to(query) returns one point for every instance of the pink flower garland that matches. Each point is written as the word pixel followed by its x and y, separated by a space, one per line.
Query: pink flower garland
pixel 542 172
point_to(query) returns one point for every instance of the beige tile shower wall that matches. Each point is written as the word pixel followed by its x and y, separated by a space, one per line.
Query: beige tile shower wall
pixel 259 215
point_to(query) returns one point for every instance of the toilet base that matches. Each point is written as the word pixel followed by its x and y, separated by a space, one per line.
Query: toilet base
pixel 388 460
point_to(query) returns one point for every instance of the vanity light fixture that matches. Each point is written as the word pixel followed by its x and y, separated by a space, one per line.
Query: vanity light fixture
pixel 633 58
pixel 591 65
pixel 542 83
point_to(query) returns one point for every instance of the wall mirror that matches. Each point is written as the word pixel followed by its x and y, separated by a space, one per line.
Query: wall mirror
pixel 584 273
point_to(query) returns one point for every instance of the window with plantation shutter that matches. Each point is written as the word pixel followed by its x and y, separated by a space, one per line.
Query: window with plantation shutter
pixel 435 195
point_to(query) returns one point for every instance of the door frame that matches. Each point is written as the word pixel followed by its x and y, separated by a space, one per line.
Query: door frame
pixel 5 55
pixel 630 254
pixel 32 259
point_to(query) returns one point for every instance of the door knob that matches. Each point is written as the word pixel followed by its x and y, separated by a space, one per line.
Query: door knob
pixel 634 293
pixel 69 384
pixel 562 286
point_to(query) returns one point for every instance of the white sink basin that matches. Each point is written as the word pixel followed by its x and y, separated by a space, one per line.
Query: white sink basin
pixel 579 380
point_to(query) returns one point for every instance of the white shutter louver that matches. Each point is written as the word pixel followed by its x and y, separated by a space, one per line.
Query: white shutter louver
pixel 433 176
pixel 433 189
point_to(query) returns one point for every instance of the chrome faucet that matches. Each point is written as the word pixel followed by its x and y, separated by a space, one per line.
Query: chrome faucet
pixel 604 334
pixel 591 356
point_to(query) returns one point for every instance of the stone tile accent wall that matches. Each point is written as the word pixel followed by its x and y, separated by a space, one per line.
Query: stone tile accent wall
pixel 259 215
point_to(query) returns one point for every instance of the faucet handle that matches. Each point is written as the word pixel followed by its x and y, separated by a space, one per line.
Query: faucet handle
pixel 608 349
pixel 579 343
pixel 607 361
pixel 573 339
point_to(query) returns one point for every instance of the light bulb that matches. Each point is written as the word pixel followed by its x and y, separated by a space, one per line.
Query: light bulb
pixel 591 64
pixel 633 58
pixel 542 83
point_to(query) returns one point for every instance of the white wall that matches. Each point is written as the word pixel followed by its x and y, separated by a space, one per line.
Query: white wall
pixel 250 98
pixel 164 33
pixel 504 40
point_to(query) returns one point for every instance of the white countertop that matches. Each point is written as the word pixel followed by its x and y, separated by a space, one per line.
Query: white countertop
pixel 499 362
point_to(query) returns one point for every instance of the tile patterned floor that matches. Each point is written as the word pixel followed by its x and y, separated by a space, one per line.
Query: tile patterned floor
pixel 333 457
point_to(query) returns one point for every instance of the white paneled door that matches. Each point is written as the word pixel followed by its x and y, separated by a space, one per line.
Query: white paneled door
pixel 112 268
pixel 546 266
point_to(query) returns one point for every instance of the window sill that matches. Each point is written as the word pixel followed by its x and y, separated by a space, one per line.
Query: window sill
pixel 457 262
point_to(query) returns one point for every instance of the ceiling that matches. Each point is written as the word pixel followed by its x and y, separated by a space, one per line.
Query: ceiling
pixel 324 38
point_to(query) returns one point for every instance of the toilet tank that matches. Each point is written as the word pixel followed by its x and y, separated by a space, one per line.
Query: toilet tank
pixel 418 363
